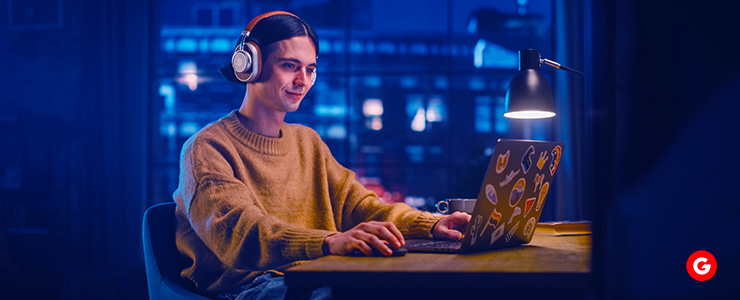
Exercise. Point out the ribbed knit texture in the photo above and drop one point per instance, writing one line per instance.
(249, 204)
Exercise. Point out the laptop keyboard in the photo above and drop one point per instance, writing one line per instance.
(441, 244)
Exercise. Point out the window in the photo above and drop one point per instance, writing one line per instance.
(410, 98)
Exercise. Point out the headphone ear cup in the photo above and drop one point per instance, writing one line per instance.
(255, 54)
(313, 77)
(241, 61)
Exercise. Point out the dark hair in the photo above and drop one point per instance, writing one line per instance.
(272, 30)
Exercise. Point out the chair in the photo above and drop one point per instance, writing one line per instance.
(163, 261)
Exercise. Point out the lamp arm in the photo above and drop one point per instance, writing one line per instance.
(557, 65)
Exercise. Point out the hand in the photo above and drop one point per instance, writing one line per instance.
(452, 226)
(365, 235)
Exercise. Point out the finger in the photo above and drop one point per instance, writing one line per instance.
(383, 230)
(453, 234)
(385, 233)
(464, 222)
(361, 245)
(460, 219)
(392, 227)
(379, 244)
(390, 233)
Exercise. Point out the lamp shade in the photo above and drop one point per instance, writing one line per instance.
(529, 95)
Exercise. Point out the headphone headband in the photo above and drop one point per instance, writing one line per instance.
(268, 14)
(248, 30)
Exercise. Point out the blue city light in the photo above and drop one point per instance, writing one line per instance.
(373, 81)
(221, 45)
(324, 110)
(476, 84)
(325, 46)
(188, 128)
(356, 47)
(415, 153)
(419, 49)
(386, 47)
(501, 124)
(186, 45)
(483, 118)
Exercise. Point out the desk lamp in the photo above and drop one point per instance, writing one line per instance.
(529, 95)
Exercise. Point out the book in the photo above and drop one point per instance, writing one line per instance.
(563, 228)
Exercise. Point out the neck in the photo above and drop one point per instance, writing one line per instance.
(261, 119)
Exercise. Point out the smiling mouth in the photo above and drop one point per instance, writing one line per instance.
(294, 94)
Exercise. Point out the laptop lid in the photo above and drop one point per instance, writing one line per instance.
(513, 194)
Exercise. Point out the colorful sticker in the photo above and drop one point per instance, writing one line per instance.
(542, 160)
(555, 159)
(497, 233)
(527, 159)
(529, 228)
(509, 178)
(475, 225)
(491, 194)
(493, 221)
(538, 179)
(511, 232)
(528, 205)
(543, 194)
(517, 192)
(502, 161)
(517, 211)
(495, 218)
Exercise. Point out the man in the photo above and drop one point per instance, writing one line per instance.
(257, 195)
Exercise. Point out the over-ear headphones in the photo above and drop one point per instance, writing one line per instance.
(247, 59)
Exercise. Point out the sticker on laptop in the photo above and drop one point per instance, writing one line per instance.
(538, 179)
(529, 228)
(517, 211)
(543, 194)
(502, 161)
(511, 232)
(474, 227)
(555, 159)
(529, 203)
(491, 194)
(493, 221)
(497, 233)
(543, 159)
(527, 159)
(517, 192)
(509, 178)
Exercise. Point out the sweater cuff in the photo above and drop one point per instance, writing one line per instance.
(421, 227)
(304, 244)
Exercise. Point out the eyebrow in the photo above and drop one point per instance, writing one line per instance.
(295, 61)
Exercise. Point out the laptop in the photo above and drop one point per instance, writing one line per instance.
(510, 200)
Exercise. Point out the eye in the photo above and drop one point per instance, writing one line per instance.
(310, 70)
(288, 65)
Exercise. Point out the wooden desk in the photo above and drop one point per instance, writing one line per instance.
(547, 264)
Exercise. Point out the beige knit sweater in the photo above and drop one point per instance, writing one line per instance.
(248, 204)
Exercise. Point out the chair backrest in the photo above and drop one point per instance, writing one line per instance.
(163, 261)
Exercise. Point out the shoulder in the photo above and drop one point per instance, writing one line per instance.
(213, 135)
(302, 133)
(305, 137)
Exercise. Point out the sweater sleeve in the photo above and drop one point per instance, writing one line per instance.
(358, 204)
(225, 215)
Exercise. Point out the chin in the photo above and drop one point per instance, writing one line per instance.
(292, 107)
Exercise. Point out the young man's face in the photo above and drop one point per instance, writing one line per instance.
(286, 74)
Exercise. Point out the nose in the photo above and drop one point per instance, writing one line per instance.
(301, 78)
